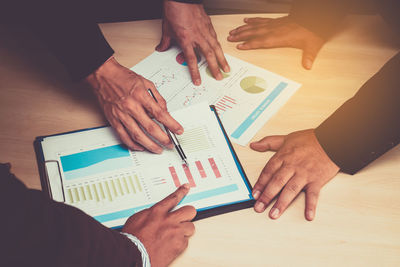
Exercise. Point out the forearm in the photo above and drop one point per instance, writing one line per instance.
(41, 232)
(368, 124)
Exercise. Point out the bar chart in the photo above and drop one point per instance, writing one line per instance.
(224, 104)
(197, 171)
(195, 139)
(104, 190)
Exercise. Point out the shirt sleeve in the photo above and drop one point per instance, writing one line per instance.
(368, 124)
(36, 231)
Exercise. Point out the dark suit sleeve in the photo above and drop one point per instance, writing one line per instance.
(367, 125)
(69, 28)
(36, 231)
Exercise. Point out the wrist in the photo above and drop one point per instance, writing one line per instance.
(140, 247)
(107, 80)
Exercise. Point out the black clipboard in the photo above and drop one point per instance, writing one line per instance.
(201, 213)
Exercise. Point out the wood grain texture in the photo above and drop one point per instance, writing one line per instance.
(358, 217)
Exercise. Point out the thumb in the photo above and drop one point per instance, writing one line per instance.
(165, 42)
(273, 143)
(309, 55)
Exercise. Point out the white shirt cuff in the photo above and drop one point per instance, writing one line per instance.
(142, 249)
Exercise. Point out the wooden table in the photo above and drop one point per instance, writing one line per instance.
(358, 217)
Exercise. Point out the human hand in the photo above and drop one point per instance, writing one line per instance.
(300, 163)
(191, 28)
(127, 105)
(164, 234)
(279, 32)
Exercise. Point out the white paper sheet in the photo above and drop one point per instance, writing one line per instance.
(110, 183)
(245, 99)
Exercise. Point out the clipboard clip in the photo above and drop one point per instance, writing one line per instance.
(48, 179)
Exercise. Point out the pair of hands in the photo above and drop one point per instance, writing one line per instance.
(123, 94)
(300, 163)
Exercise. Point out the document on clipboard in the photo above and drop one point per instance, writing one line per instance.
(90, 169)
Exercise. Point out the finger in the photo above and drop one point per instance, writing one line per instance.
(136, 132)
(122, 133)
(188, 228)
(274, 186)
(266, 41)
(184, 214)
(173, 199)
(160, 100)
(312, 194)
(219, 54)
(240, 29)
(249, 34)
(191, 60)
(266, 174)
(209, 54)
(309, 55)
(257, 20)
(273, 142)
(289, 192)
(165, 42)
(162, 115)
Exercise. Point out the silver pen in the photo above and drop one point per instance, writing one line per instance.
(172, 136)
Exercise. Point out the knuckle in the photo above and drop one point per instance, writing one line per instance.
(158, 112)
(313, 194)
(266, 196)
(280, 180)
(209, 53)
(293, 187)
(135, 135)
(216, 45)
(150, 127)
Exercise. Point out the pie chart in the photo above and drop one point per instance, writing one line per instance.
(253, 84)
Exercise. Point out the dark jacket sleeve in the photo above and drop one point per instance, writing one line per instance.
(36, 231)
(367, 125)
(69, 29)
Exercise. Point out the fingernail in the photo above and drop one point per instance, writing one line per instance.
(219, 76)
(186, 186)
(256, 194)
(180, 131)
(259, 207)
(197, 82)
(227, 69)
(240, 46)
(310, 215)
(246, 19)
(308, 64)
(274, 213)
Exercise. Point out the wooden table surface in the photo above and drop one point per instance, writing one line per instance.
(358, 217)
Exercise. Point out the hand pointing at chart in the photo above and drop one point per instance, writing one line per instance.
(163, 232)
(191, 28)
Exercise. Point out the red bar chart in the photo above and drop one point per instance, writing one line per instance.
(214, 167)
(225, 103)
(189, 175)
(174, 176)
(202, 172)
